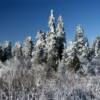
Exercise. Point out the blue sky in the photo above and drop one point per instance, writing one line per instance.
(20, 18)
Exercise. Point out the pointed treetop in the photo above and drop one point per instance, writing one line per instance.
(60, 26)
(52, 18)
(60, 21)
(79, 29)
(7, 44)
(60, 18)
(29, 38)
(52, 22)
(18, 45)
(52, 13)
(98, 37)
(38, 34)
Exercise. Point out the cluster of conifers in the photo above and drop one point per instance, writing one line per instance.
(51, 47)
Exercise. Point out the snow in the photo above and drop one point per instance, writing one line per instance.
(49, 70)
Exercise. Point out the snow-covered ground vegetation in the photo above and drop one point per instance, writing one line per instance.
(51, 68)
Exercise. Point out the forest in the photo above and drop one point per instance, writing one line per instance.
(50, 67)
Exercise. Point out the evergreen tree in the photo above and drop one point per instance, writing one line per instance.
(6, 48)
(1, 53)
(51, 44)
(28, 47)
(71, 59)
(17, 51)
(60, 36)
(97, 47)
(82, 44)
(39, 53)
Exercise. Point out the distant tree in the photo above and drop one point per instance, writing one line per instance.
(6, 48)
(27, 47)
(71, 59)
(82, 45)
(97, 47)
(39, 52)
(1, 52)
(17, 51)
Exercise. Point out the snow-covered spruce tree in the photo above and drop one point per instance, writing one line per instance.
(82, 45)
(7, 50)
(60, 36)
(39, 52)
(17, 51)
(97, 47)
(70, 58)
(94, 65)
(1, 53)
(51, 44)
(27, 47)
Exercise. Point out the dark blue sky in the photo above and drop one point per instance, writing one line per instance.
(19, 18)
